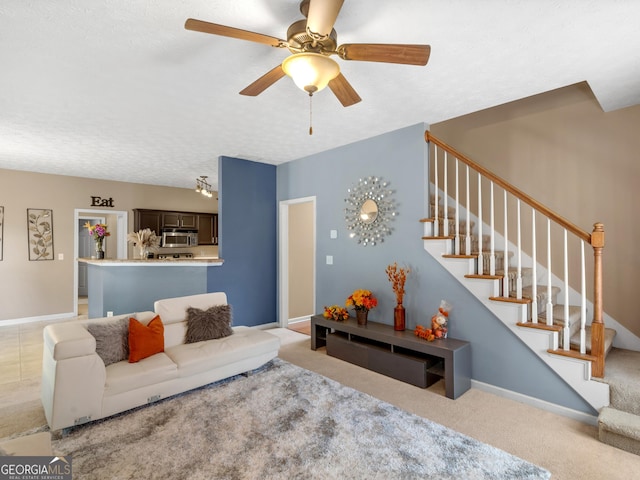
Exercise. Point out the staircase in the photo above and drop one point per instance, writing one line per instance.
(546, 311)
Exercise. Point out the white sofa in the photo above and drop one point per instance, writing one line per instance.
(78, 388)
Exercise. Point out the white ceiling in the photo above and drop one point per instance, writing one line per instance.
(118, 89)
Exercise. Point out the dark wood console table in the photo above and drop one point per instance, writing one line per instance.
(400, 355)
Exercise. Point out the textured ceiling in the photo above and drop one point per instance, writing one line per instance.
(118, 89)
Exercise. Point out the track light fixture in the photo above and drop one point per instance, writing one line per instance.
(203, 187)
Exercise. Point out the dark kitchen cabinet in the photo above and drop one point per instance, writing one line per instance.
(207, 229)
(179, 220)
(151, 219)
(156, 220)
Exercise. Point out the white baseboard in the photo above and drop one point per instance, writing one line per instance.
(299, 319)
(536, 402)
(42, 318)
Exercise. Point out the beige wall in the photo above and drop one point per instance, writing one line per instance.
(564, 151)
(301, 231)
(38, 288)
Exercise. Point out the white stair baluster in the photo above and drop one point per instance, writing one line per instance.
(445, 197)
(456, 240)
(519, 266)
(505, 259)
(534, 270)
(549, 302)
(436, 225)
(566, 331)
(467, 245)
(492, 228)
(480, 258)
(583, 302)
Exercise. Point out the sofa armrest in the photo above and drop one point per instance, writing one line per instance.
(68, 340)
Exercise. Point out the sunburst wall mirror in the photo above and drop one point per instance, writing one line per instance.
(369, 211)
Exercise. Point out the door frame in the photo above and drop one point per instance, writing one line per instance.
(283, 256)
(121, 240)
(90, 218)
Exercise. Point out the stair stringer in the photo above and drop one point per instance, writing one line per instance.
(575, 372)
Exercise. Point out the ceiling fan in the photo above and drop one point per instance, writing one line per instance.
(312, 41)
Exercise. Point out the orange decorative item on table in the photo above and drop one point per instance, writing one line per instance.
(335, 312)
(362, 301)
(439, 324)
(398, 277)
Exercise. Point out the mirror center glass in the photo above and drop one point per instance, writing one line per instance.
(369, 211)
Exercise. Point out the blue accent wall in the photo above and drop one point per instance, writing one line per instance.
(401, 157)
(247, 225)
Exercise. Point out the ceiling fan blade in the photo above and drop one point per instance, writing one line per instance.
(264, 82)
(215, 29)
(344, 91)
(387, 53)
(322, 15)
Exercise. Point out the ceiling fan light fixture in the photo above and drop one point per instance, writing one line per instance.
(311, 72)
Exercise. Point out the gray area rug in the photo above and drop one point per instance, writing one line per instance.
(281, 422)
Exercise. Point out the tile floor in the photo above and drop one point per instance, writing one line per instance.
(21, 349)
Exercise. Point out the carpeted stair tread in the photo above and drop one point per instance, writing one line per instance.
(541, 293)
(622, 374)
(558, 317)
(619, 429)
(609, 335)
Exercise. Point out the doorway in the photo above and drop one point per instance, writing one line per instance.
(85, 250)
(117, 248)
(297, 254)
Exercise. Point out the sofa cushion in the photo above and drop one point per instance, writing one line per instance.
(112, 339)
(194, 358)
(125, 377)
(145, 340)
(173, 310)
(215, 322)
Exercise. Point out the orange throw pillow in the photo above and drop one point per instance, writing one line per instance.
(145, 340)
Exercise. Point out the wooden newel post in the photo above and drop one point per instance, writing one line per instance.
(597, 324)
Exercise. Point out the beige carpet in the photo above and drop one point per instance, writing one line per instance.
(566, 447)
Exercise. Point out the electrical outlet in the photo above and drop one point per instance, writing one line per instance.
(333, 234)
(61, 256)
(109, 313)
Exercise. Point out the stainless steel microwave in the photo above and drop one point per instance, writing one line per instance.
(176, 237)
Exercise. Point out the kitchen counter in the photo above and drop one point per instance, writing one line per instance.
(132, 285)
(165, 262)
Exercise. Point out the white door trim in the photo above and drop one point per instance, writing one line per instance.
(283, 256)
(121, 241)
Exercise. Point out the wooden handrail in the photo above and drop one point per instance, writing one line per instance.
(511, 189)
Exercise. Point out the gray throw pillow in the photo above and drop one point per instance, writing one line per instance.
(209, 324)
(112, 339)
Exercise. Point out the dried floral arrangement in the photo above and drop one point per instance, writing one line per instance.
(362, 300)
(439, 324)
(336, 312)
(145, 240)
(397, 276)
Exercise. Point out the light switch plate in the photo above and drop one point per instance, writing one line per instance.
(333, 234)
(329, 259)
(61, 256)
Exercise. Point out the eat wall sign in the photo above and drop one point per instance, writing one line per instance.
(101, 202)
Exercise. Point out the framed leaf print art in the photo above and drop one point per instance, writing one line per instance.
(40, 223)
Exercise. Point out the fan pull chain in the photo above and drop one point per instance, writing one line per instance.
(310, 115)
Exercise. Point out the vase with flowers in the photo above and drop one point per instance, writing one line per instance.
(98, 232)
(398, 276)
(145, 241)
(362, 301)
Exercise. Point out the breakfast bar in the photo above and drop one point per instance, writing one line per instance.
(118, 286)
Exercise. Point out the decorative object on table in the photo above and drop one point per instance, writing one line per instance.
(40, 225)
(98, 232)
(398, 277)
(1, 229)
(336, 312)
(145, 241)
(439, 324)
(370, 208)
(362, 301)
